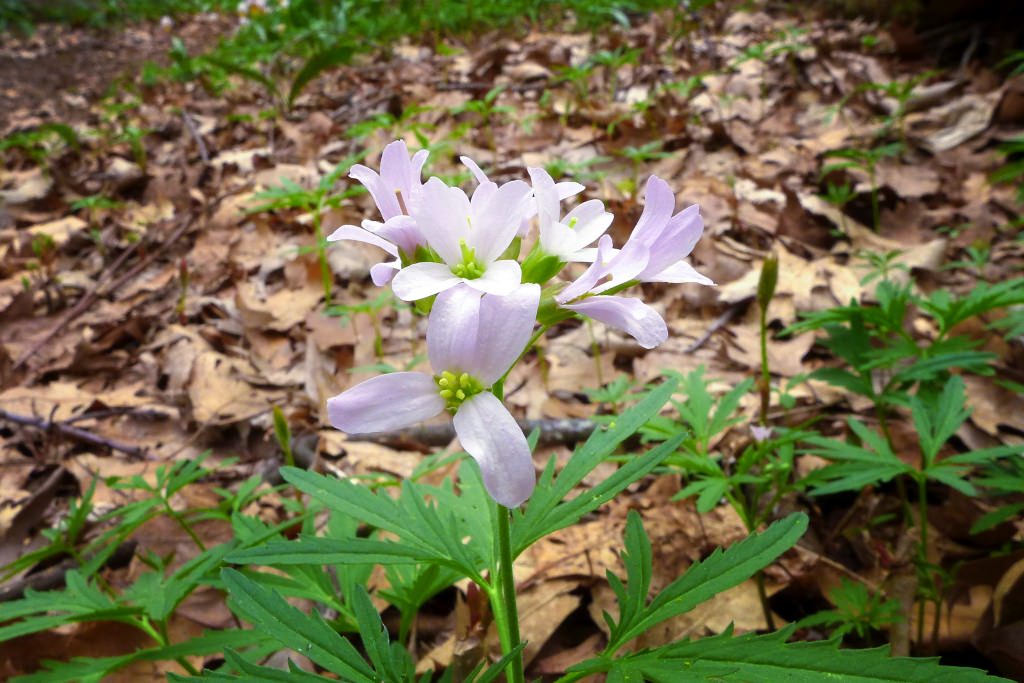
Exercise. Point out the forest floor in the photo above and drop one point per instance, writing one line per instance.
(151, 312)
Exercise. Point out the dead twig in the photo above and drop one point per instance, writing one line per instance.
(875, 588)
(486, 87)
(94, 293)
(52, 578)
(718, 323)
(76, 433)
(552, 433)
(191, 126)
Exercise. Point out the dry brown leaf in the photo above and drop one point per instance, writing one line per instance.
(785, 356)
(954, 123)
(218, 395)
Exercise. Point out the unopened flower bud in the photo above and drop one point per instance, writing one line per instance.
(769, 279)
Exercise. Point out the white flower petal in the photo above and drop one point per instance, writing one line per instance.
(491, 436)
(385, 402)
(384, 198)
(568, 188)
(474, 168)
(545, 196)
(592, 275)
(659, 202)
(452, 329)
(496, 221)
(351, 232)
(421, 280)
(443, 214)
(592, 221)
(629, 315)
(383, 273)
(501, 278)
(628, 264)
(401, 231)
(679, 273)
(506, 324)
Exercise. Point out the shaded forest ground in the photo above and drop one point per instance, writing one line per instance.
(160, 288)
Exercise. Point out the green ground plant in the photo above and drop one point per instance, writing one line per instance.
(90, 539)
(867, 161)
(289, 195)
(868, 459)
(858, 611)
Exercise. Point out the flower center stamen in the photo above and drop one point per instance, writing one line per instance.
(470, 268)
(455, 389)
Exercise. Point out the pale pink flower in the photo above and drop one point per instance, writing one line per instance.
(399, 177)
(565, 237)
(760, 432)
(653, 253)
(658, 244)
(563, 189)
(397, 236)
(624, 313)
(468, 235)
(472, 341)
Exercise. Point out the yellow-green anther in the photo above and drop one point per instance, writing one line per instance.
(470, 267)
(455, 389)
(573, 221)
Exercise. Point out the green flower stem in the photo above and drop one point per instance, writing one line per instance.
(326, 278)
(505, 612)
(922, 555)
(766, 375)
(161, 638)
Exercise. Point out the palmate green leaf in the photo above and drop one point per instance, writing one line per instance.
(432, 530)
(853, 466)
(720, 571)
(571, 511)
(978, 362)
(247, 72)
(950, 310)
(85, 669)
(318, 550)
(997, 517)
(254, 673)
(709, 490)
(727, 658)
(41, 611)
(316, 65)
(392, 662)
(939, 418)
(545, 511)
(292, 628)
(159, 596)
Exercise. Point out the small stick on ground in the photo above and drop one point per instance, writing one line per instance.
(76, 433)
(718, 323)
(94, 293)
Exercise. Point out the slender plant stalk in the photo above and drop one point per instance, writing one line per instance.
(922, 553)
(874, 198)
(595, 350)
(321, 247)
(765, 291)
(766, 375)
(508, 624)
(177, 517)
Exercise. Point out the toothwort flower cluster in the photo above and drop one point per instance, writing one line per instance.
(463, 252)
